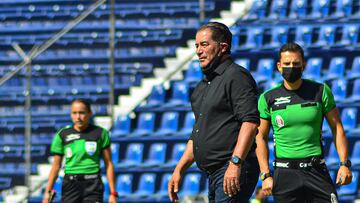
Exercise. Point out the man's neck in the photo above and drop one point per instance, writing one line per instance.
(293, 86)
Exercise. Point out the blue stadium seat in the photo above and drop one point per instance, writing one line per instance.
(333, 175)
(177, 152)
(169, 124)
(336, 68)
(313, 68)
(344, 8)
(122, 126)
(244, 62)
(156, 97)
(146, 185)
(58, 184)
(191, 186)
(332, 159)
(145, 124)
(355, 69)
(326, 36)
(193, 74)
(106, 187)
(352, 187)
(271, 154)
(157, 155)
(163, 191)
(298, 9)
(350, 35)
(257, 10)
(5, 183)
(304, 35)
(355, 155)
(271, 83)
(115, 148)
(254, 38)
(279, 37)
(124, 184)
(320, 9)
(133, 156)
(264, 70)
(339, 88)
(348, 118)
(355, 96)
(180, 95)
(278, 9)
(188, 124)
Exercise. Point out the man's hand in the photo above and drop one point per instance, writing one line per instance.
(112, 199)
(46, 197)
(344, 176)
(267, 186)
(173, 186)
(232, 180)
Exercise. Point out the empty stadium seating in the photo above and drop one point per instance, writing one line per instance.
(146, 147)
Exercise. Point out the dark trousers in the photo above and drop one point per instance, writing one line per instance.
(313, 185)
(82, 191)
(248, 180)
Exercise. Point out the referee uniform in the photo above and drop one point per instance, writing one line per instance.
(296, 117)
(82, 151)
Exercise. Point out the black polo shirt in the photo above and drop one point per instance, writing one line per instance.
(221, 102)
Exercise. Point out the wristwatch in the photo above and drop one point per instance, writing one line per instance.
(236, 160)
(263, 176)
(346, 163)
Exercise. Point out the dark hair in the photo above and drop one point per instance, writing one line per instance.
(83, 101)
(292, 47)
(220, 33)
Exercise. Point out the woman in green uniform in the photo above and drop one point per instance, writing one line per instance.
(295, 110)
(81, 144)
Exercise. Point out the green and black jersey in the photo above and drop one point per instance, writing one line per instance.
(82, 150)
(296, 117)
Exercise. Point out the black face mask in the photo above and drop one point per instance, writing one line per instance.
(291, 74)
(212, 65)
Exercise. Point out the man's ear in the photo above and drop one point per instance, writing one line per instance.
(304, 66)
(224, 47)
(278, 65)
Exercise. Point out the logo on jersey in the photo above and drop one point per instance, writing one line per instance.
(90, 147)
(68, 152)
(279, 121)
(72, 137)
(282, 100)
(333, 198)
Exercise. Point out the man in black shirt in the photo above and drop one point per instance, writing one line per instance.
(225, 108)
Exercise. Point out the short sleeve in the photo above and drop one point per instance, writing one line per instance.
(105, 139)
(243, 91)
(57, 145)
(327, 100)
(263, 108)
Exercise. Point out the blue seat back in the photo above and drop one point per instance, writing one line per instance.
(157, 95)
(135, 152)
(313, 68)
(146, 121)
(158, 152)
(191, 184)
(147, 183)
(348, 118)
(124, 184)
(339, 88)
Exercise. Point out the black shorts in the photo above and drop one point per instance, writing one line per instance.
(77, 190)
(313, 185)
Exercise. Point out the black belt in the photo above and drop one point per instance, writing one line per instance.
(299, 164)
(82, 176)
